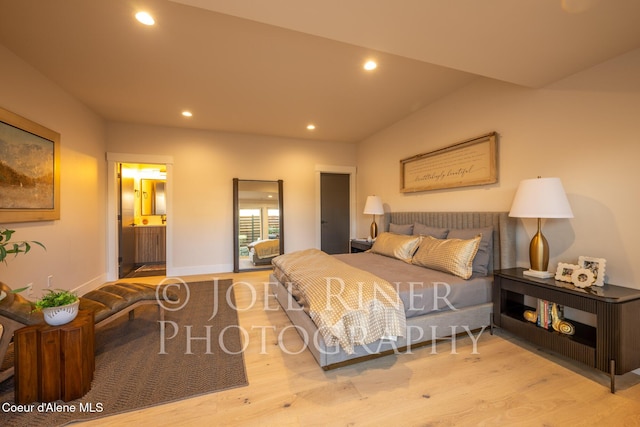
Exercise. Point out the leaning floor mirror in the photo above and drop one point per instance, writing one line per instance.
(258, 225)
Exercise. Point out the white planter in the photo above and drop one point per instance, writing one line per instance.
(56, 316)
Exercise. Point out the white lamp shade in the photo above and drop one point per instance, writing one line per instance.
(541, 198)
(373, 206)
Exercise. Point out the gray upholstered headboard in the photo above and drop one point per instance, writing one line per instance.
(504, 229)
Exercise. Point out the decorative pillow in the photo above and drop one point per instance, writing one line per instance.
(453, 256)
(401, 229)
(396, 246)
(423, 230)
(482, 262)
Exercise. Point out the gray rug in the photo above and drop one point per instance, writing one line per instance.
(133, 373)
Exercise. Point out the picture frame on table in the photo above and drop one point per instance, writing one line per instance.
(564, 271)
(596, 265)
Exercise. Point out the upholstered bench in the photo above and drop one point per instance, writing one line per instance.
(108, 303)
(112, 301)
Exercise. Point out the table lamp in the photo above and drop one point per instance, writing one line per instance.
(373, 206)
(540, 198)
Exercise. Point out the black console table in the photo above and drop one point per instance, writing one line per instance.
(612, 345)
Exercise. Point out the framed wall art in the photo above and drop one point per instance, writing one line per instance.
(467, 163)
(29, 170)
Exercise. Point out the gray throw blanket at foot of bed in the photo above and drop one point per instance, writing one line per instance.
(349, 306)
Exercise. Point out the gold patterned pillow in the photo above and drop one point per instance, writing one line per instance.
(396, 246)
(453, 256)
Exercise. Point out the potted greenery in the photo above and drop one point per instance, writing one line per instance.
(59, 306)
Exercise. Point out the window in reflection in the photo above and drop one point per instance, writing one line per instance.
(257, 223)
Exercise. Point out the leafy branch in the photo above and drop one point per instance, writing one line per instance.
(20, 247)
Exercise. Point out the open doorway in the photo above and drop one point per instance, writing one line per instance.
(142, 219)
(113, 206)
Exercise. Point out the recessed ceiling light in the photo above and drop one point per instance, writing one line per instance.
(370, 65)
(187, 113)
(145, 18)
(311, 126)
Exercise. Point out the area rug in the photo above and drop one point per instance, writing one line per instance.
(143, 362)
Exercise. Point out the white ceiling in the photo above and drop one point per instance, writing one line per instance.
(271, 66)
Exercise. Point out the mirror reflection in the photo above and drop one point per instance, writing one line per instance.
(258, 223)
(152, 197)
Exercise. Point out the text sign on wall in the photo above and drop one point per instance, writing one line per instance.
(472, 162)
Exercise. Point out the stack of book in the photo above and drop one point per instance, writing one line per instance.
(545, 317)
(544, 314)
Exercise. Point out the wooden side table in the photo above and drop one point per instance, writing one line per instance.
(54, 362)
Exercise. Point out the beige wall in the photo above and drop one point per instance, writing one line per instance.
(205, 163)
(584, 130)
(75, 253)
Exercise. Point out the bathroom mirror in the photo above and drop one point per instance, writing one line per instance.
(258, 225)
(152, 197)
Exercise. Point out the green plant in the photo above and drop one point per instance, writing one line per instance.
(56, 298)
(7, 247)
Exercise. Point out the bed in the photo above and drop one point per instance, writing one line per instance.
(261, 252)
(449, 304)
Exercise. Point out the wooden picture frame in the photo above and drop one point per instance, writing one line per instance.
(467, 163)
(29, 170)
(596, 265)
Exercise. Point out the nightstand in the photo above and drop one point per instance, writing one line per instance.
(360, 245)
(611, 344)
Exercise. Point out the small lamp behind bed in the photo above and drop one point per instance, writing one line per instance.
(373, 207)
(540, 198)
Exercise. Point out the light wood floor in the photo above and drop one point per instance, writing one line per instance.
(505, 383)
